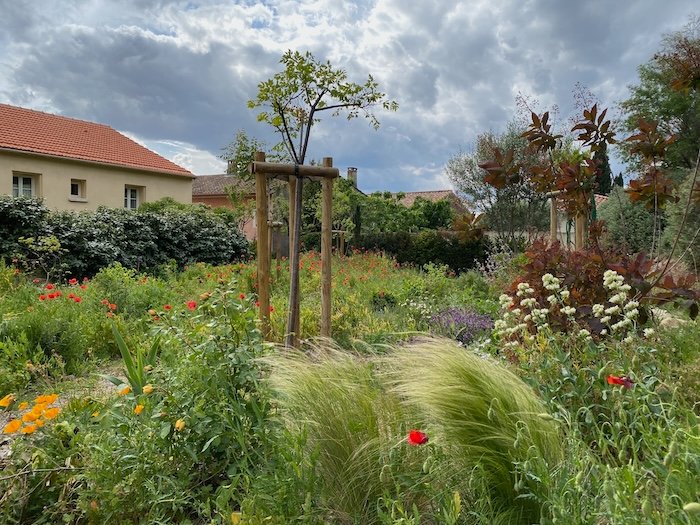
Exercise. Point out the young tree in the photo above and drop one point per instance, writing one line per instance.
(292, 100)
(240, 152)
(668, 93)
(512, 210)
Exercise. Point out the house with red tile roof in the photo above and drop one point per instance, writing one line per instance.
(78, 165)
(213, 190)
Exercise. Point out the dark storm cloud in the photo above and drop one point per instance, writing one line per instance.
(137, 83)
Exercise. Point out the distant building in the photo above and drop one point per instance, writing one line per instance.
(213, 190)
(78, 165)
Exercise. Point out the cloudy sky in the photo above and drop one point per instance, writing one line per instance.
(176, 75)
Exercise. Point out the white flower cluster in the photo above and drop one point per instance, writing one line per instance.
(522, 313)
(621, 317)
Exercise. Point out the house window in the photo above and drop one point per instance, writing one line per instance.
(131, 197)
(24, 185)
(77, 190)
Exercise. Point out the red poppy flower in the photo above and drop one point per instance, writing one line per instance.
(112, 306)
(70, 296)
(272, 308)
(58, 293)
(257, 304)
(104, 301)
(77, 299)
(167, 307)
(72, 281)
(83, 286)
(49, 286)
(191, 305)
(242, 296)
(416, 437)
(623, 381)
(42, 297)
(110, 314)
(51, 296)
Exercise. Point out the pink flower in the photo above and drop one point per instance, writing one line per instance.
(416, 437)
(73, 281)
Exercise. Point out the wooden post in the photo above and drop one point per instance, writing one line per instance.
(293, 317)
(261, 210)
(326, 245)
(553, 220)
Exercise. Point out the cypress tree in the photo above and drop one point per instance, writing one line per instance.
(619, 181)
(604, 174)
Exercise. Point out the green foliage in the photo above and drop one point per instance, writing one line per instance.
(628, 225)
(427, 247)
(135, 367)
(655, 99)
(293, 99)
(19, 217)
(80, 244)
(484, 414)
(509, 211)
(603, 172)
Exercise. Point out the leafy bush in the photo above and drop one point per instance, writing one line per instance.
(143, 239)
(628, 224)
(427, 247)
(19, 217)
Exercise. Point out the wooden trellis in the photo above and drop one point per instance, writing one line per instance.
(292, 173)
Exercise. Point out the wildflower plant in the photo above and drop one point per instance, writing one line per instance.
(524, 315)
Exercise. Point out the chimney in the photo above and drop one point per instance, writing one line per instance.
(352, 176)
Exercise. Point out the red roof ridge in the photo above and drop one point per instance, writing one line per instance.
(42, 133)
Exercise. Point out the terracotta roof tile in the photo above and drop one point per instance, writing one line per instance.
(37, 132)
(217, 184)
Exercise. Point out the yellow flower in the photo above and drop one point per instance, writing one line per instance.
(29, 429)
(46, 399)
(39, 422)
(29, 417)
(51, 413)
(179, 424)
(148, 389)
(7, 400)
(12, 426)
(124, 391)
(96, 413)
(138, 409)
(23, 405)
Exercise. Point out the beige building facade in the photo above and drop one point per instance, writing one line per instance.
(78, 165)
(66, 184)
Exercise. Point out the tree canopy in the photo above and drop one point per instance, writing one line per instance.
(292, 100)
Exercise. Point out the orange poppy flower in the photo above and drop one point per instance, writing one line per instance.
(51, 412)
(12, 426)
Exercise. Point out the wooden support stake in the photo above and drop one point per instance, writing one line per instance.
(261, 209)
(326, 245)
(553, 220)
(293, 318)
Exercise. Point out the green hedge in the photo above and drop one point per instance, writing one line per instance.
(428, 246)
(143, 239)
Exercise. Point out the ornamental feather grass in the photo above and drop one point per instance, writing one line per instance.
(484, 417)
(353, 427)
